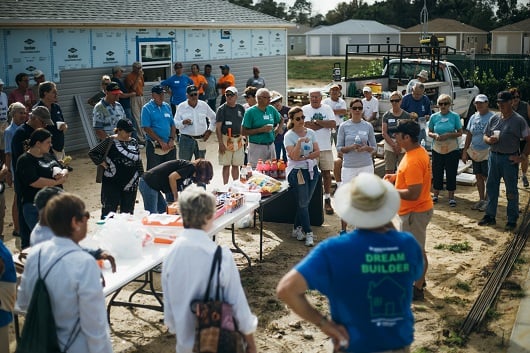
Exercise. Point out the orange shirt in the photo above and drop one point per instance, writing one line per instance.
(129, 83)
(199, 81)
(415, 168)
(230, 79)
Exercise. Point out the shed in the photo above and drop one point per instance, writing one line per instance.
(511, 39)
(332, 40)
(456, 34)
(74, 42)
(297, 40)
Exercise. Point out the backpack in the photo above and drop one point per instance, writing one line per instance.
(39, 334)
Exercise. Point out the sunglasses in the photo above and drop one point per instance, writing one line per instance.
(298, 118)
(356, 108)
(192, 94)
(444, 103)
(515, 97)
(395, 100)
(229, 94)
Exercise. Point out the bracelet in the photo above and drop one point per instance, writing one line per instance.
(322, 321)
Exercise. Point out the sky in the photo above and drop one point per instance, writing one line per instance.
(322, 6)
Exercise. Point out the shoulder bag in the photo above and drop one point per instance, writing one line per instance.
(216, 330)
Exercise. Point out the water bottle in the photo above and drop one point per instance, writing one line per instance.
(306, 149)
(422, 143)
(358, 140)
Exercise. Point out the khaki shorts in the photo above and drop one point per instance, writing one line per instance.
(325, 161)
(392, 160)
(236, 158)
(416, 223)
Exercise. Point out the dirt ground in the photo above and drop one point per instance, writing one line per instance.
(461, 255)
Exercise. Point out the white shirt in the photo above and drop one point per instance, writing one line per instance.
(75, 293)
(336, 105)
(39, 234)
(185, 277)
(370, 106)
(197, 115)
(323, 113)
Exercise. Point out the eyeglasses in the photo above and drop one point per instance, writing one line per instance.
(265, 97)
(443, 103)
(356, 108)
(192, 94)
(298, 118)
(395, 100)
(229, 94)
(248, 96)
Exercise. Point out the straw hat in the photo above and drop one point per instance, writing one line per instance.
(367, 201)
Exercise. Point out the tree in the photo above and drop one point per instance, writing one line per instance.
(244, 3)
(300, 12)
(270, 7)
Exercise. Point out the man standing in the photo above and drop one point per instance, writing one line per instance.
(192, 119)
(320, 118)
(339, 108)
(134, 82)
(366, 275)
(422, 77)
(419, 107)
(48, 98)
(210, 92)
(125, 97)
(199, 80)
(159, 128)
(371, 108)
(413, 183)
(107, 112)
(256, 80)
(225, 81)
(22, 93)
(228, 119)
(38, 77)
(260, 123)
(503, 133)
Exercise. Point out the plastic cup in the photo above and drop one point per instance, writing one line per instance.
(496, 133)
(60, 124)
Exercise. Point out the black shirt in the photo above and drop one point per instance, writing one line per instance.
(29, 169)
(157, 177)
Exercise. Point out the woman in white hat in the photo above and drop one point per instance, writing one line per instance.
(367, 274)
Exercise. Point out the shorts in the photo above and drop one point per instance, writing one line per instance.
(236, 158)
(347, 174)
(416, 223)
(392, 160)
(263, 152)
(325, 161)
(480, 168)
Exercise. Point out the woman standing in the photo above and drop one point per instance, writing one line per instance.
(356, 141)
(123, 168)
(302, 170)
(393, 153)
(445, 128)
(73, 282)
(523, 109)
(276, 102)
(48, 98)
(35, 170)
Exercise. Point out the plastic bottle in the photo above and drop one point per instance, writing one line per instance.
(267, 168)
(249, 171)
(306, 149)
(422, 143)
(259, 166)
(358, 140)
(274, 169)
(243, 174)
(281, 170)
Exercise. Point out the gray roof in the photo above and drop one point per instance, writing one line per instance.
(521, 26)
(444, 25)
(355, 27)
(132, 13)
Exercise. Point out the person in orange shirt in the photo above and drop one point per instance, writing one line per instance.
(134, 82)
(199, 80)
(413, 182)
(225, 81)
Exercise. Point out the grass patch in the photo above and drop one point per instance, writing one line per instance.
(423, 350)
(454, 339)
(455, 247)
(455, 300)
(322, 69)
(492, 314)
(463, 286)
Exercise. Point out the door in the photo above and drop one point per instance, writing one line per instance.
(451, 41)
(461, 95)
(314, 46)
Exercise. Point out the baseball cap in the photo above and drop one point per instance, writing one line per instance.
(335, 86)
(37, 73)
(158, 89)
(45, 194)
(504, 96)
(222, 67)
(367, 89)
(43, 114)
(231, 89)
(191, 89)
(125, 125)
(481, 98)
(275, 96)
(113, 88)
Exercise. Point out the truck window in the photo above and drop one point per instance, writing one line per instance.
(458, 80)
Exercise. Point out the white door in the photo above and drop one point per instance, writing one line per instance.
(526, 45)
(450, 41)
(314, 46)
(501, 45)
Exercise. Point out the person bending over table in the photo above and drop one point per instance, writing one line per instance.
(185, 273)
(74, 281)
(170, 178)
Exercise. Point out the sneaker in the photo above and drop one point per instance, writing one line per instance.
(300, 236)
(477, 205)
(483, 205)
(525, 181)
(452, 203)
(510, 226)
(309, 239)
(327, 206)
(417, 293)
(487, 220)
(435, 199)
(297, 232)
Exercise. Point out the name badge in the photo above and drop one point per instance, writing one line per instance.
(391, 121)
(166, 115)
(228, 123)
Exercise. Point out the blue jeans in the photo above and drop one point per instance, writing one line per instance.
(31, 215)
(188, 147)
(154, 201)
(303, 193)
(500, 166)
(280, 151)
(154, 159)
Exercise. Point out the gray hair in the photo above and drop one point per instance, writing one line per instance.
(196, 207)
(262, 90)
(420, 86)
(444, 96)
(396, 93)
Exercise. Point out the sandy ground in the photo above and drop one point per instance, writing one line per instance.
(454, 279)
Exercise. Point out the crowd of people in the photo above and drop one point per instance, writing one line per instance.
(53, 222)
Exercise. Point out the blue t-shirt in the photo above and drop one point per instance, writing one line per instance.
(477, 127)
(10, 276)
(442, 124)
(178, 85)
(421, 107)
(368, 280)
(158, 118)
